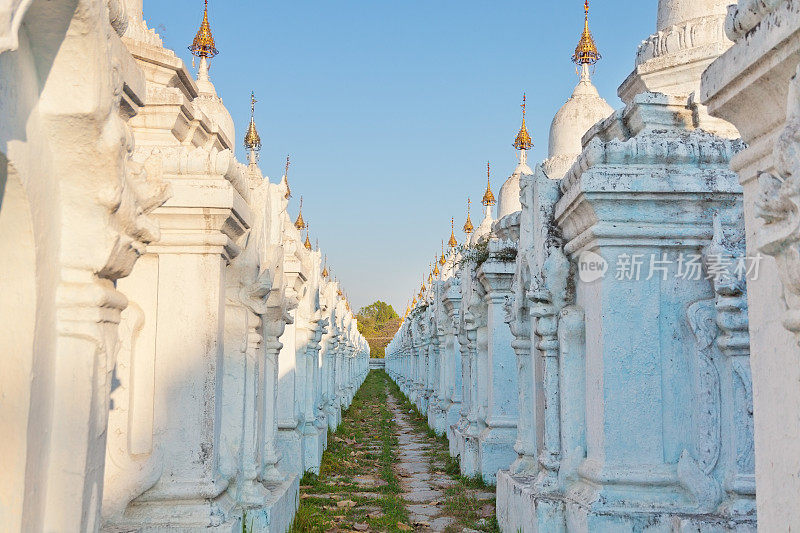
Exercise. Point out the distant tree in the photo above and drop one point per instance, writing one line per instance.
(379, 311)
(378, 322)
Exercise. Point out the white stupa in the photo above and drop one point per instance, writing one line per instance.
(509, 193)
(582, 111)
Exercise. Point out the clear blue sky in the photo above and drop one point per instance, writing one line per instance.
(390, 110)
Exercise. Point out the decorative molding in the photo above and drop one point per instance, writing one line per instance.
(779, 207)
(678, 39)
(747, 14)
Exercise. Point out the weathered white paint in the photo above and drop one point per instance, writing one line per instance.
(753, 85)
(147, 284)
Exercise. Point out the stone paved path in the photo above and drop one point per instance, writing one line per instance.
(385, 471)
(437, 498)
(422, 495)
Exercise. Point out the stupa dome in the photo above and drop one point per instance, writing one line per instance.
(582, 111)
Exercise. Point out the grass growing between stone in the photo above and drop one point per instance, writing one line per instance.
(357, 489)
(469, 500)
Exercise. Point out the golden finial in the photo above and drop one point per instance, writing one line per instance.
(203, 44)
(414, 302)
(488, 197)
(252, 141)
(325, 268)
(523, 140)
(468, 227)
(452, 242)
(586, 52)
(442, 260)
(436, 268)
(286, 175)
(299, 223)
(422, 290)
(307, 244)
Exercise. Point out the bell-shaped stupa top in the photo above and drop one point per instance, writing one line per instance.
(252, 140)
(488, 196)
(586, 52)
(299, 223)
(523, 140)
(468, 226)
(203, 44)
(286, 177)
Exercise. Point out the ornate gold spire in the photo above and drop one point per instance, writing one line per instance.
(586, 52)
(252, 141)
(414, 302)
(203, 44)
(299, 223)
(468, 227)
(325, 268)
(523, 140)
(307, 244)
(286, 175)
(488, 197)
(442, 260)
(436, 267)
(452, 242)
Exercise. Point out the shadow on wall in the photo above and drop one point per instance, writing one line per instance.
(28, 260)
(176, 435)
(17, 331)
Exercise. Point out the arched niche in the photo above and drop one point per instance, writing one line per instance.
(17, 333)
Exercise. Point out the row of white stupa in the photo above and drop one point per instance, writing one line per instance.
(589, 351)
(173, 353)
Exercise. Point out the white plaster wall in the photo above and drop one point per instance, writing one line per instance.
(27, 202)
(66, 211)
(18, 318)
(751, 86)
(91, 411)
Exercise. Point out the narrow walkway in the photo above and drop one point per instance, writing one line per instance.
(384, 470)
(436, 496)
